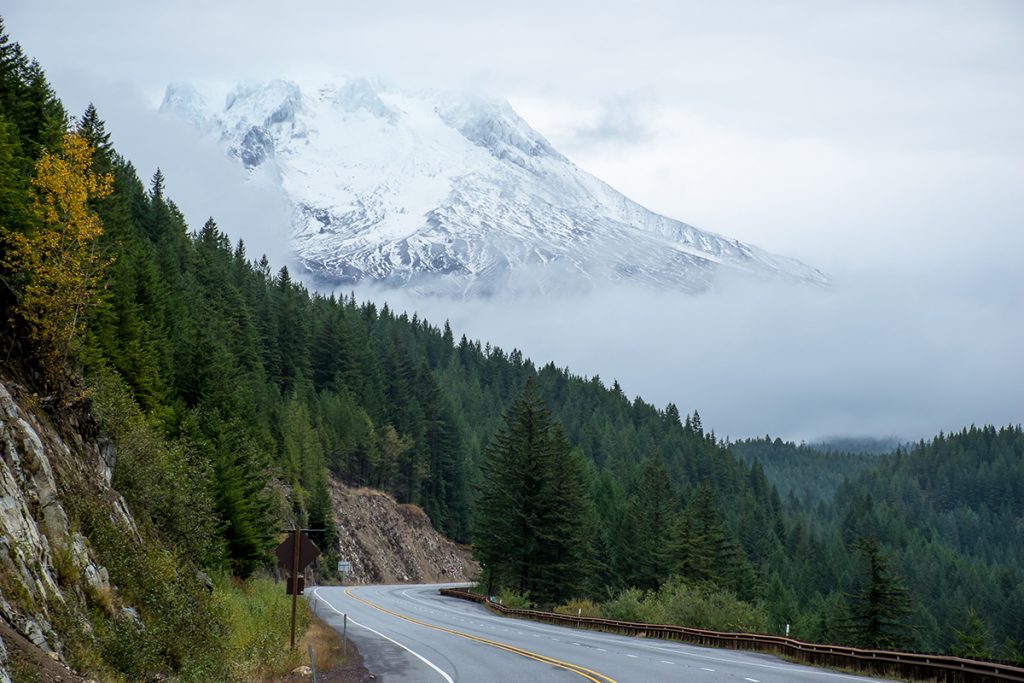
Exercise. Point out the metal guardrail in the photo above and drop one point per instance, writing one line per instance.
(911, 665)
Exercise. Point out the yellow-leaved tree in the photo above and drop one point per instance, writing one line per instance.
(59, 264)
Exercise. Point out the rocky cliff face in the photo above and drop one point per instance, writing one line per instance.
(48, 572)
(391, 543)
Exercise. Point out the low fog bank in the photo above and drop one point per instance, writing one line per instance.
(883, 354)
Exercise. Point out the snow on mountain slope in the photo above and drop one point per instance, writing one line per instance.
(452, 195)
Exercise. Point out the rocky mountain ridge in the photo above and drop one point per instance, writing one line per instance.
(452, 194)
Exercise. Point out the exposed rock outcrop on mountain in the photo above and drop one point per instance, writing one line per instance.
(391, 543)
(48, 572)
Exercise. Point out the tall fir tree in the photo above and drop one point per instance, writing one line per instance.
(703, 549)
(642, 555)
(533, 526)
(881, 607)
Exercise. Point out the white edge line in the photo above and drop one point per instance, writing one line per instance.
(426, 661)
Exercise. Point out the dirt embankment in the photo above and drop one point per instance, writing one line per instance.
(391, 543)
(24, 661)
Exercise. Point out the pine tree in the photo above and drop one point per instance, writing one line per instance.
(43, 120)
(704, 551)
(974, 642)
(567, 522)
(320, 511)
(533, 525)
(880, 608)
(781, 607)
(328, 352)
(642, 557)
(505, 529)
(240, 493)
(94, 131)
(27, 101)
(292, 332)
(15, 186)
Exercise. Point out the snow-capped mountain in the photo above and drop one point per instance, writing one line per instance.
(452, 195)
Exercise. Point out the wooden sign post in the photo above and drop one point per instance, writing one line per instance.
(295, 553)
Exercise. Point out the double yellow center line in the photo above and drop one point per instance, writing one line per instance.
(590, 675)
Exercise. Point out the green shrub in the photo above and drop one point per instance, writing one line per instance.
(684, 604)
(710, 608)
(100, 598)
(634, 604)
(510, 598)
(126, 647)
(163, 588)
(165, 482)
(63, 561)
(13, 588)
(581, 607)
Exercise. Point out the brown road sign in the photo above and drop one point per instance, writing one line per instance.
(286, 552)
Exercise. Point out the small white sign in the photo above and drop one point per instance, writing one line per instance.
(344, 566)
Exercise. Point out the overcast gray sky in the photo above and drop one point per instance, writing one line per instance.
(880, 141)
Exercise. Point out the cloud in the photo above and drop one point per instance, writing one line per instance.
(619, 120)
(887, 356)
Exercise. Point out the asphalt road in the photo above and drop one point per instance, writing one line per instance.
(411, 633)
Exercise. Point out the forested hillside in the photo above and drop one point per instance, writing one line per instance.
(951, 511)
(948, 512)
(230, 391)
(809, 473)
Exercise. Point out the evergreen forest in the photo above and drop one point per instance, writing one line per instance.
(233, 393)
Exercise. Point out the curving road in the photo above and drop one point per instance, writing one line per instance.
(411, 633)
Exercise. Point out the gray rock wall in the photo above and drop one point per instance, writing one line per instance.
(37, 543)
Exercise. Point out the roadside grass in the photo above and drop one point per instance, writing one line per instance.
(257, 613)
(580, 607)
(326, 645)
(850, 671)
